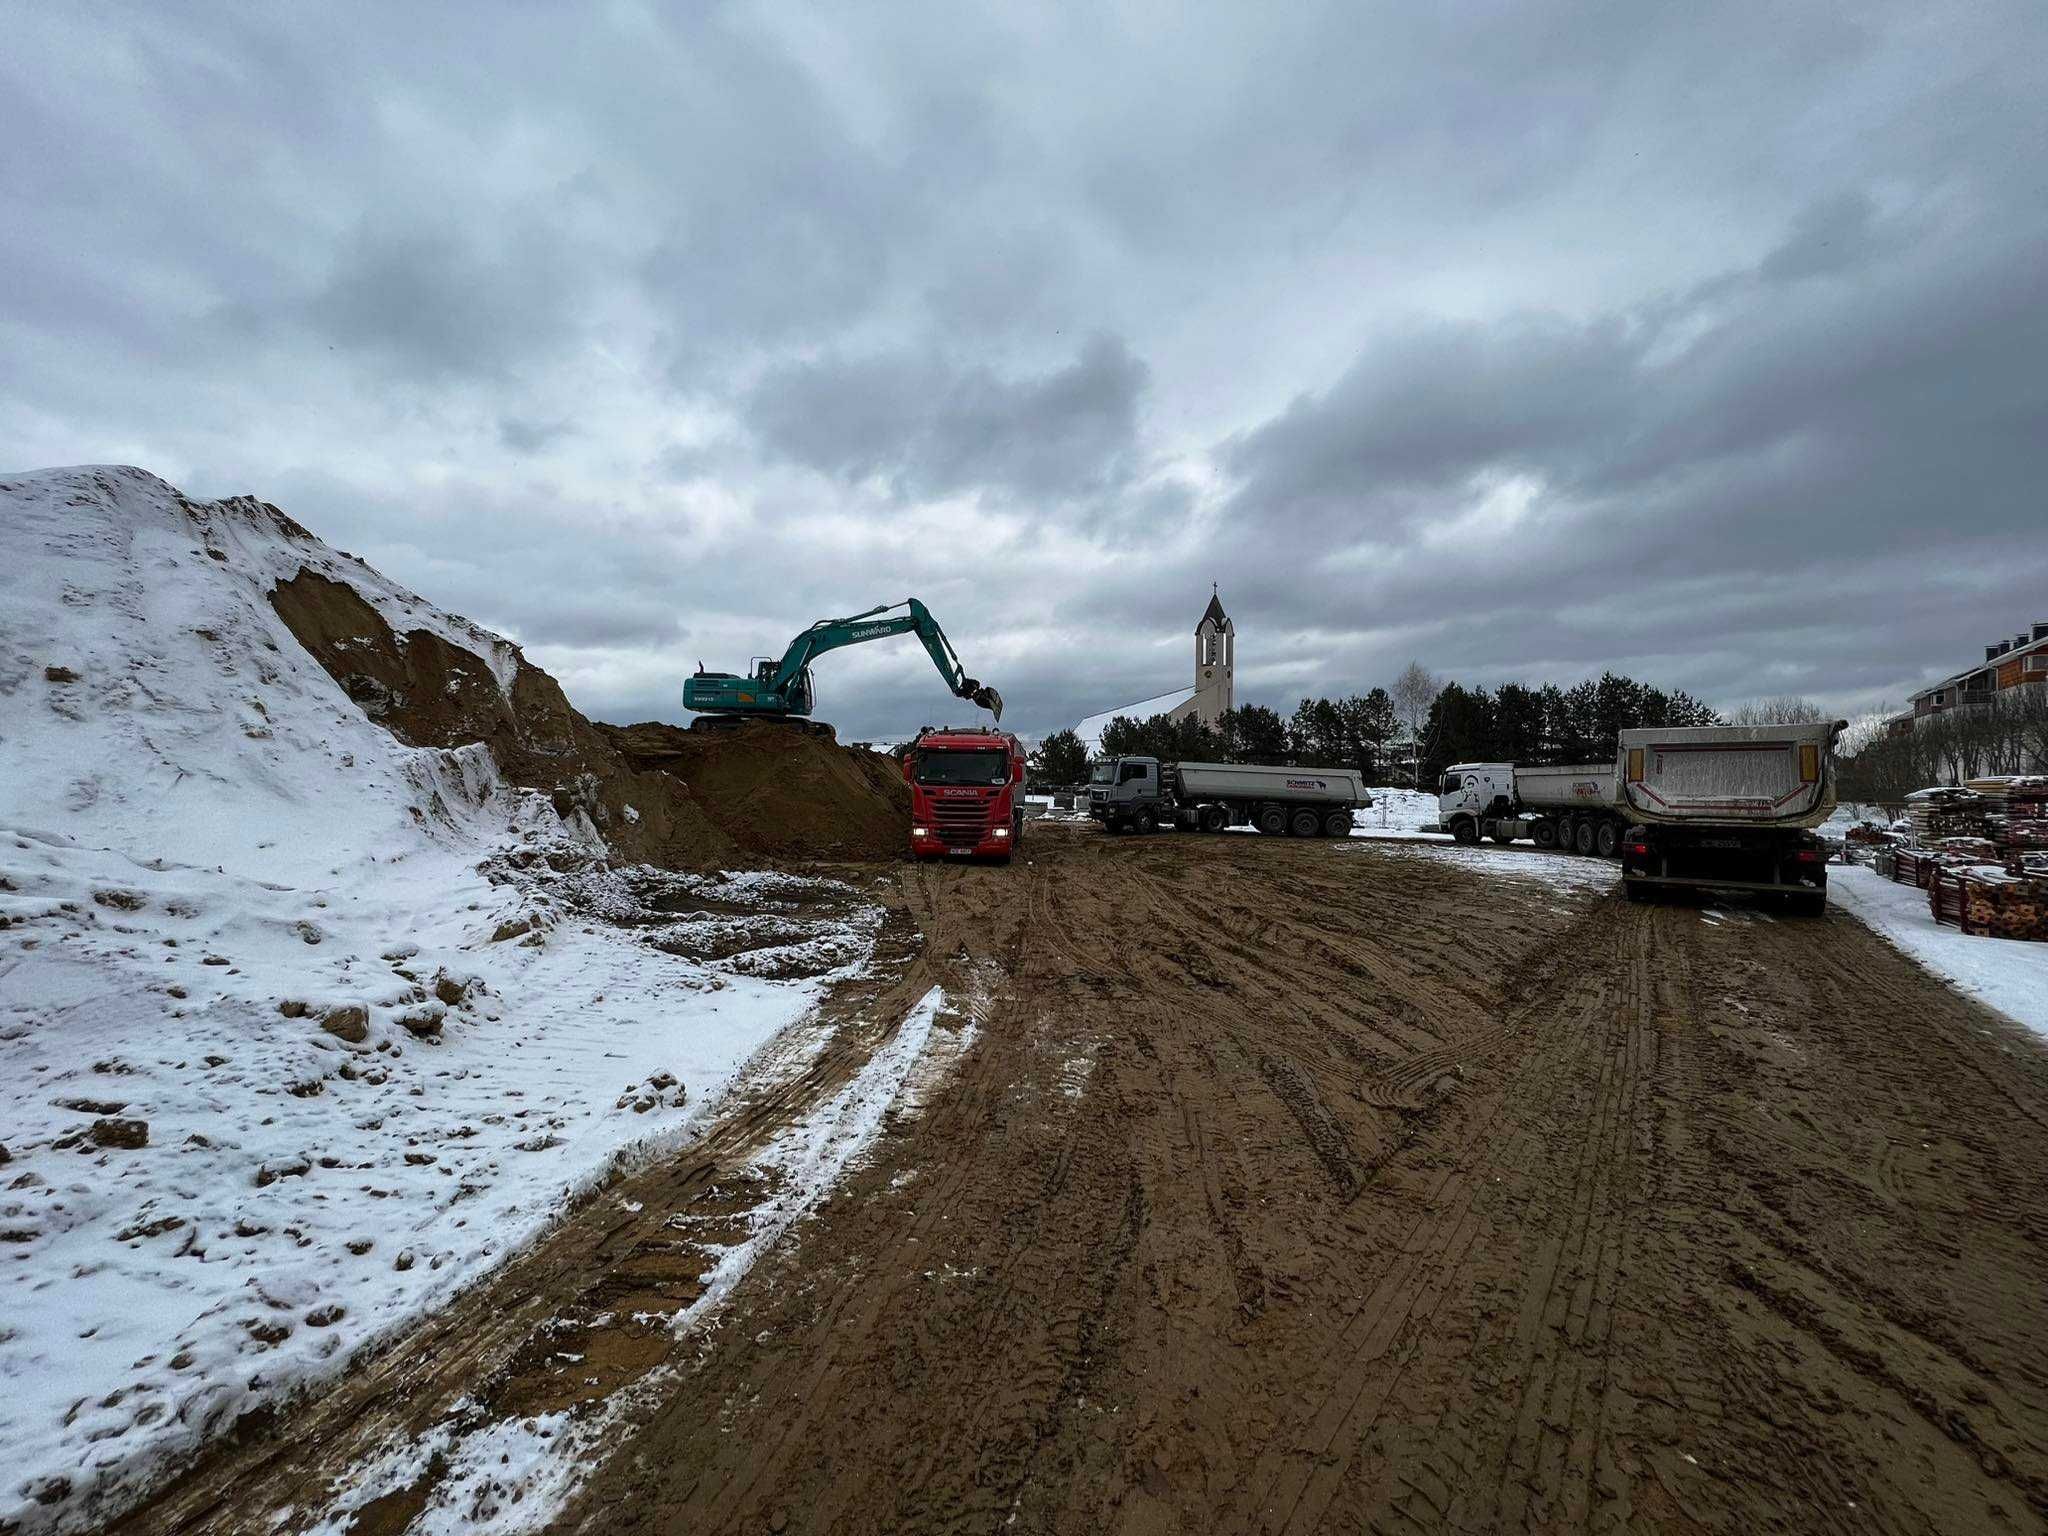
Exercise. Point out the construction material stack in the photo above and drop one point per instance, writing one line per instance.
(1980, 851)
(1945, 811)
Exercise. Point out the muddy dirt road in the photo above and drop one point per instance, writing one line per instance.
(1267, 1185)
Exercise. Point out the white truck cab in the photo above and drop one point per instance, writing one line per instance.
(1474, 789)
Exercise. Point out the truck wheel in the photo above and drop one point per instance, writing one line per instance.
(1564, 834)
(1545, 834)
(1212, 818)
(1585, 837)
(1147, 823)
(1608, 839)
(1465, 830)
(1272, 820)
(1337, 824)
(1305, 823)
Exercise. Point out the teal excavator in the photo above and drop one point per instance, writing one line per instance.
(781, 689)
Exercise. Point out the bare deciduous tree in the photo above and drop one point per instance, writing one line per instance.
(1413, 692)
(1784, 710)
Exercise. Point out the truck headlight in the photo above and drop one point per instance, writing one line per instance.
(920, 831)
(1000, 832)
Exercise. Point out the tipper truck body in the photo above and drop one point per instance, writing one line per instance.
(1143, 794)
(966, 793)
(1731, 807)
(1575, 808)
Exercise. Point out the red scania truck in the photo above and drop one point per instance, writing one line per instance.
(966, 793)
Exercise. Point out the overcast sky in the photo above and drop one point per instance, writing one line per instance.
(1706, 342)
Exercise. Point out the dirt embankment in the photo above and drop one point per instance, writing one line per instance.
(667, 796)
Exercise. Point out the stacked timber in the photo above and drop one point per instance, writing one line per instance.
(1913, 866)
(2019, 815)
(1945, 811)
(1984, 899)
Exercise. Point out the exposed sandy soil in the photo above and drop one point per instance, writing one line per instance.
(677, 798)
(1291, 1186)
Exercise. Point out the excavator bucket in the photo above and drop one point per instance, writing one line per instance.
(987, 698)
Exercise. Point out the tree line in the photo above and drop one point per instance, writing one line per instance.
(1413, 730)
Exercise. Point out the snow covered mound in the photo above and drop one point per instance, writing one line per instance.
(150, 696)
(301, 1027)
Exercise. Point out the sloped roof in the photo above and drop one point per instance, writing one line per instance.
(1090, 730)
(1213, 611)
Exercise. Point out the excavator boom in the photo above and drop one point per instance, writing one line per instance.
(780, 689)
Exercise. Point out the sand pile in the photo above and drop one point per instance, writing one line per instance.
(777, 792)
(657, 793)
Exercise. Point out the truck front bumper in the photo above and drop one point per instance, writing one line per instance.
(994, 842)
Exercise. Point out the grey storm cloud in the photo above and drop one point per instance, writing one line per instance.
(932, 428)
(1695, 341)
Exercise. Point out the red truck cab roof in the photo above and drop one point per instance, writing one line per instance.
(967, 738)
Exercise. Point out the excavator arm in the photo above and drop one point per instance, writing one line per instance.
(831, 634)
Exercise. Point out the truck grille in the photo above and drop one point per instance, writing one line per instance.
(960, 823)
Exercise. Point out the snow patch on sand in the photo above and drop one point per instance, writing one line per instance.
(1561, 872)
(517, 1474)
(2010, 975)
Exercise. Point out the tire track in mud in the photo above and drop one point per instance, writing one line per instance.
(1268, 1199)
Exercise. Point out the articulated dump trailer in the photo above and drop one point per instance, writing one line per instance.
(1142, 794)
(1729, 807)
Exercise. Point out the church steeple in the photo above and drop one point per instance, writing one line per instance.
(1215, 660)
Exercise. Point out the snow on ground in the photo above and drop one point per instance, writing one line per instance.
(1395, 812)
(1558, 871)
(512, 1475)
(2010, 975)
(301, 1029)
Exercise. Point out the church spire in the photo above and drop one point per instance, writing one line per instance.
(1213, 614)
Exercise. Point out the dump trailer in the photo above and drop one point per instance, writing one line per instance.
(1142, 794)
(1729, 807)
(1574, 808)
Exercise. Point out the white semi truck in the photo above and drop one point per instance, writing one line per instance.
(1574, 808)
(1143, 794)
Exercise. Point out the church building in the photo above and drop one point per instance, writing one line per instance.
(1213, 691)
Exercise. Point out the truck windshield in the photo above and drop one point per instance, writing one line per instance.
(991, 766)
(1105, 773)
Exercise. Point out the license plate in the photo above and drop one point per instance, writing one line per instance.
(1720, 842)
(961, 853)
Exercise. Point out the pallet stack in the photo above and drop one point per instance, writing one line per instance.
(1984, 899)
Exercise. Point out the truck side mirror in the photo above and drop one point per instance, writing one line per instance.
(1017, 771)
(909, 765)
